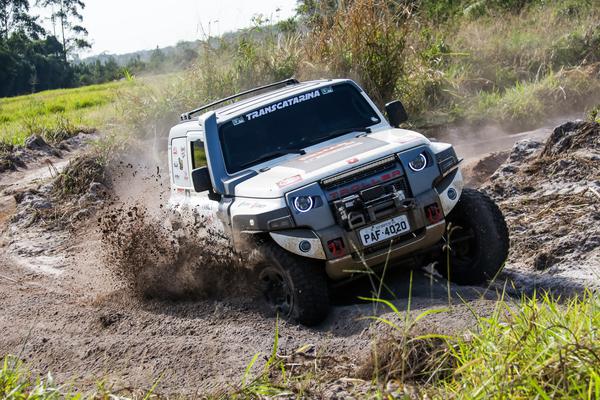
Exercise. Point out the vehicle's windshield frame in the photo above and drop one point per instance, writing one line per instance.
(375, 118)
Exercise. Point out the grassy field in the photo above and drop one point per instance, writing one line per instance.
(56, 114)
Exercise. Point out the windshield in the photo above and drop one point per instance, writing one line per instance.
(294, 123)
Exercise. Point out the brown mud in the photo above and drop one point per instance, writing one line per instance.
(126, 292)
(171, 256)
(549, 192)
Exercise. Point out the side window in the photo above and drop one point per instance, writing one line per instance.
(181, 173)
(198, 155)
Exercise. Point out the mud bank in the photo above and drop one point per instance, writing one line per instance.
(13, 158)
(550, 195)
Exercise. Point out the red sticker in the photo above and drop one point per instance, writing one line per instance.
(288, 181)
(327, 150)
(353, 160)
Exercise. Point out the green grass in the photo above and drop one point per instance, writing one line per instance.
(509, 69)
(56, 113)
(543, 348)
(17, 383)
(530, 102)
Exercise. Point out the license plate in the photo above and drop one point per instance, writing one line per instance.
(384, 230)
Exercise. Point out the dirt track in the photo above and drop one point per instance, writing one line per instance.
(64, 311)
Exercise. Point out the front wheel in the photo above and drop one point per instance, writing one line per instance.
(294, 287)
(476, 240)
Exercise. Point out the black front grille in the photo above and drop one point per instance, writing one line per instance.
(372, 204)
(355, 174)
(402, 184)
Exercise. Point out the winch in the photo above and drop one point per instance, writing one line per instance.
(370, 205)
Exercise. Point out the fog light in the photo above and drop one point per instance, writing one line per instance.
(452, 194)
(303, 203)
(419, 163)
(304, 246)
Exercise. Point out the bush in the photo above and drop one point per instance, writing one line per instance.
(529, 103)
(594, 114)
(366, 40)
(542, 349)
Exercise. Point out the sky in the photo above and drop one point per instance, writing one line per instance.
(123, 26)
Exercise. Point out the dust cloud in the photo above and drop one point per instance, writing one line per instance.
(473, 141)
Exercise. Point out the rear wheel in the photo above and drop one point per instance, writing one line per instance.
(294, 287)
(476, 240)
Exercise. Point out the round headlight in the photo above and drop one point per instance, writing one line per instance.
(419, 163)
(303, 203)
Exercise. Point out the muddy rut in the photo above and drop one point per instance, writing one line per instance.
(116, 293)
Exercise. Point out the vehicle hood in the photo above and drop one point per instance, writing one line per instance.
(330, 158)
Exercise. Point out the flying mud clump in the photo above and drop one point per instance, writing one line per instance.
(171, 256)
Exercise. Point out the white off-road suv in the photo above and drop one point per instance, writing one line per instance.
(324, 188)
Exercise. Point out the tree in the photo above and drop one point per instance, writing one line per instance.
(28, 65)
(185, 54)
(157, 59)
(135, 65)
(14, 16)
(68, 15)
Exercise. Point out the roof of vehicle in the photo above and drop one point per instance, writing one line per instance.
(269, 96)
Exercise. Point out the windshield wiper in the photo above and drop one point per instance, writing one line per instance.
(342, 132)
(274, 154)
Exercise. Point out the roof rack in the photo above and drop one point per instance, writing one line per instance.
(188, 115)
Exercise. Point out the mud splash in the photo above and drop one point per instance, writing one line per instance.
(171, 256)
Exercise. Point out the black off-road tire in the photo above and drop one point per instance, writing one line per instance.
(481, 253)
(303, 281)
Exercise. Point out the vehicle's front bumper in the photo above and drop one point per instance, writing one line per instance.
(345, 266)
(427, 229)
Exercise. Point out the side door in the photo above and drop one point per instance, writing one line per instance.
(200, 202)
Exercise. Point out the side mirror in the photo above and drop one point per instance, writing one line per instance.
(201, 179)
(396, 113)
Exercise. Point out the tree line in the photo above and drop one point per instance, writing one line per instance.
(34, 58)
